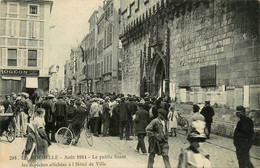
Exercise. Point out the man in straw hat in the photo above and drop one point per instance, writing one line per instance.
(243, 138)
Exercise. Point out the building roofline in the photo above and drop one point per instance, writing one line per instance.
(34, 1)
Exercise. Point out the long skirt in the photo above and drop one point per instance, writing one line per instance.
(114, 126)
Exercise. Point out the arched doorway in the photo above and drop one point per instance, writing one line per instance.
(159, 77)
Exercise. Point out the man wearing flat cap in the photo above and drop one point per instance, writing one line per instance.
(157, 132)
(208, 112)
(243, 138)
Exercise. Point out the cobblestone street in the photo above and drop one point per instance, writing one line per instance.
(221, 150)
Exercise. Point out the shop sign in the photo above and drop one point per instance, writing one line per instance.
(19, 72)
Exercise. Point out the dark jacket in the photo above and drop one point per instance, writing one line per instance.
(79, 116)
(164, 105)
(208, 113)
(132, 107)
(70, 110)
(124, 115)
(6, 104)
(60, 108)
(158, 140)
(244, 132)
(49, 116)
(154, 112)
(28, 109)
(147, 105)
(106, 114)
(141, 120)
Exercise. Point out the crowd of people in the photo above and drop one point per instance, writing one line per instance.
(122, 116)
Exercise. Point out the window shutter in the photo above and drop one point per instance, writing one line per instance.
(25, 58)
(9, 27)
(19, 57)
(36, 29)
(4, 56)
(17, 28)
(39, 58)
(14, 33)
(30, 29)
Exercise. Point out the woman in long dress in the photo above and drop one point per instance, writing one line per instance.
(172, 121)
(37, 142)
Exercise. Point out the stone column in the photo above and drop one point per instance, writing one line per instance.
(167, 63)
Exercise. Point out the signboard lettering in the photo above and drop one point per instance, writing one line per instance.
(18, 72)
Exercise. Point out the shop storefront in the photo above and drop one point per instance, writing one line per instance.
(19, 80)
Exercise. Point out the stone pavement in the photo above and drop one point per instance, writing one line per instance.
(221, 150)
(122, 152)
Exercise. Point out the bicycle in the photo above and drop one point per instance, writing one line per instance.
(183, 122)
(66, 136)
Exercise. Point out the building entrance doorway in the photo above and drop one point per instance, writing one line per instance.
(159, 78)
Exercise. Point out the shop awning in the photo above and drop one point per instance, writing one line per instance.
(31, 82)
(11, 78)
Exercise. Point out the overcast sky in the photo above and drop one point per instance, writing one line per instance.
(69, 22)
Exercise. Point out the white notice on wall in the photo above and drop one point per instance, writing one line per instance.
(31, 82)
(246, 96)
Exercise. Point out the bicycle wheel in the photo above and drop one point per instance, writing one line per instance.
(11, 133)
(184, 123)
(64, 136)
(88, 137)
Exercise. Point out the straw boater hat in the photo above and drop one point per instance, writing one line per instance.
(50, 96)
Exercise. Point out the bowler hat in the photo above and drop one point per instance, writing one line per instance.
(207, 102)
(240, 109)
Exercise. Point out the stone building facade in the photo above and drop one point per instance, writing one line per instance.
(96, 59)
(192, 50)
(92, 51)
(107, 49)
(24, 55)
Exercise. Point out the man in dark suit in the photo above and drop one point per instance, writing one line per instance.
(208, 112)
(243, 138)
(60, 113)
(78, 120)
(106, 116)
(141, 121)
(28, 109)
(49, 116)
(157, 132)
(70, 110)
(132, 108)
(124, 118)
